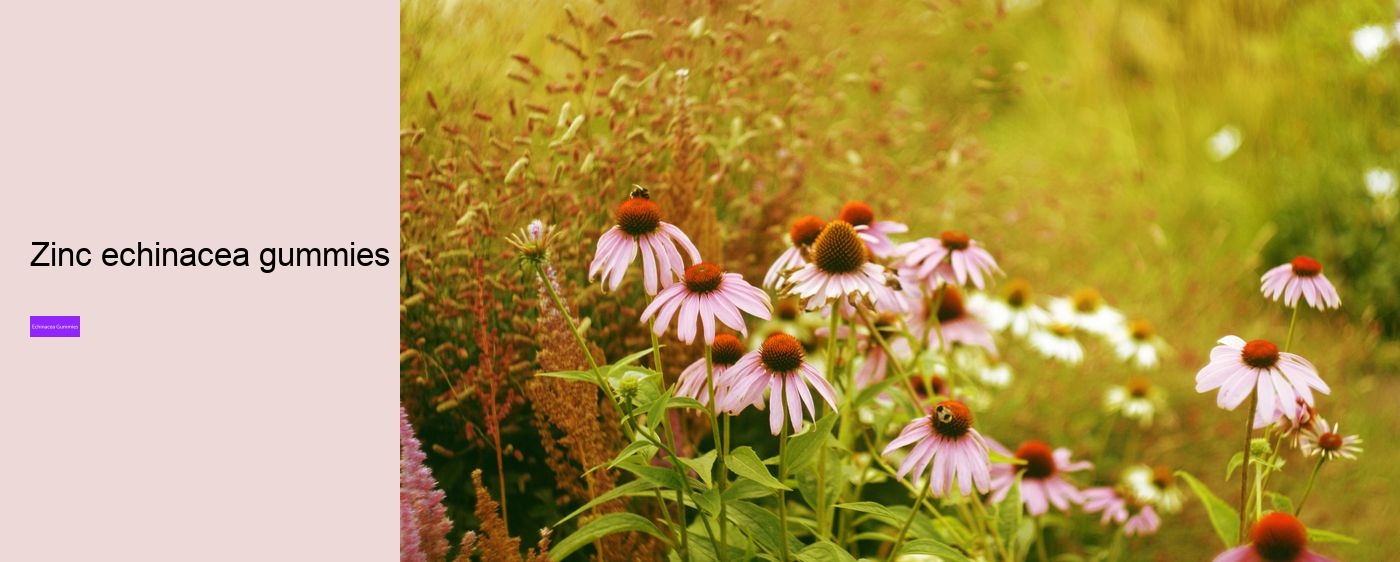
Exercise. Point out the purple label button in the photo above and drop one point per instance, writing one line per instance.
(55, 327)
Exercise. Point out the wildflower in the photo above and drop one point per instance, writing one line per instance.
(955, 323)
(954, 258)
(705, 295)
(1380, 183)
(801, 235)
(423, 521)
(1137, 400)
(1136, 343)
(1238, 368)
(839, 269)
(876, 363)
(1300, 277)
(1290, 428)
(1057, 342)
(778, 366)
(639, 227)
(1086, 310)
(533, 241)
(876, 235)
(1369, 41)
(1119, 510)
(947, 442)
(725, 352)
(1015, 310)
(1326, 440)
(1041, 481)
(1224, 143)
(1276, 537)
(1155, 486)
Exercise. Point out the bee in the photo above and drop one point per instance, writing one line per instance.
(944, 414)
(639, 191)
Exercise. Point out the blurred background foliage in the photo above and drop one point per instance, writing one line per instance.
(1166, 153)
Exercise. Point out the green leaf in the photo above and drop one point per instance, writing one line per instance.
(656, 409)
(584, 376)
(704, 465)
(802, 449)
(759, 523)
(601, 527)
(620, 364)
(630, 488)
(1009, 515)
(707, 501)
(645, 448)
(1234, 465)
(1321, 536)
(824, 551)
(878, 510)
(685, 402)
(1280, 502)
(870, 392)
(663, 477)
(745, 490)
(744, 462)
(930, 547)
(999, 458)
(1223, 517)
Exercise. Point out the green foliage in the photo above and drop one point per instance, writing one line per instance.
(1223, 518)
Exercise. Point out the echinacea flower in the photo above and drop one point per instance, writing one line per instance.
(953, 257)
(1042, 483)
(1137, 344)
(1327, 441)
(1015, 311)
(840, 269)
(956, 325)
(707, 294)
(1238, 368)
(801, 235)
(946, 442)
(1289, 428)
(876, 362)
(1155, 486)
(640, 228)
(875, 234)
(1276, 537)
(1056, 341)
(1086, 310)
(1138, 400)
(777, 366)
(1300, 277)
(1119, 509)
(724, 353)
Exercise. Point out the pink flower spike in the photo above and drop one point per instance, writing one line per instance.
(1281, 379)
(948, 448)
(639, 229)
(706, 295)
(779, 367)
(1300, 277)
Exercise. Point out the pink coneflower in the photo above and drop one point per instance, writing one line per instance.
(840, 269)
(1237, 368)
(801, 235)
(1276, 537)
(954, 258)
(1326, 440)
(948, 443)
(706, 295)
(876, 363)
(875, 234)
(1116, 509)
(639, 227)
(778, 366)
(1302, 276)
(1041, 482)
(957, 325)
(1288, 427)
(724, 353)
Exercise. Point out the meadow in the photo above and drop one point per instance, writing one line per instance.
(1163, 154)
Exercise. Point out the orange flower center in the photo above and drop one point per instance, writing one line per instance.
(638, 216)
(1162, 477)
(1260, 354)
(1040, 460)
(951, 419)
(781, 353)
(726, 350)
(804, 231)
(1141, 330)
(703, 277)
(951, 306)
(857, 213)
(1330, 442)
(837, 249)
(1278, 537)
(1018, 293)
(788, 309)
(954, 240)
(1086, 300)
(1304, 266)
(1139, 386)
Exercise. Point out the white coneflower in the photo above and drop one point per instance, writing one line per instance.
(1086, 310)
(1156, 486)
(1327, 440)
(1137, 344)
(1138, 400)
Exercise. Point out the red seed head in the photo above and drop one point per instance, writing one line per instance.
(781, 353)
(857, 213)
(1278, 537)
(727, 350)
(951, 419)
(1330, 442)
(1260, 354)
(703, 277)
(638, 216)
(950, 306)
(804, 230)
(838, 249)
(1304, 266)
(954, 240)
(1040, 459)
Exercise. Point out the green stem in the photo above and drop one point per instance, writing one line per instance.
(782, 478)
(991, 530)
(823, 527)
(1297, 511)
(1040, 539)
(629, 428)
(914, 510)
(1288, 344)
(1115, 550)
(1244, 474)
(722, 450)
